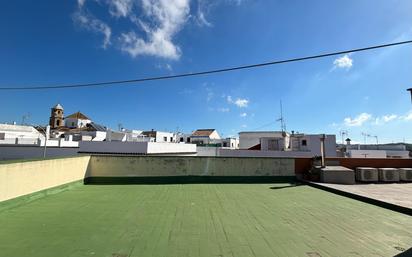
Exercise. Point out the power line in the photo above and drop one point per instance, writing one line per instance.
(191, 74)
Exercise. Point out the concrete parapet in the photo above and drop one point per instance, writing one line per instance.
(337, 175)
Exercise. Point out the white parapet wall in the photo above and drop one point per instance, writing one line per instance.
(136, 147)
(153, 166)
(259, 153)
(161, 148)
(22, 178)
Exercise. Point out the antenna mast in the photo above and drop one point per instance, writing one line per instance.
(282, 120)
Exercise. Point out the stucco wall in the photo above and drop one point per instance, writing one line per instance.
(17, 179)
(22, 178)
(140, 166)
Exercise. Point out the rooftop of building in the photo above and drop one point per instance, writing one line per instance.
(78, 115)
(203, 132)
(200, 220)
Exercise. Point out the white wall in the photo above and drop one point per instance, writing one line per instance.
(397, 154)
(378, 154)
(136, 147)
(160, 136)
(313, 145)
(259, 153)
(113, 147)
(11, 152)
(367, 153)
(207, 151)
(249, 139)
(155, 147)
(19, 134)
(78, 123)
(214, 135)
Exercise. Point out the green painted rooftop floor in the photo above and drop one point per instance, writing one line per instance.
(201, 220)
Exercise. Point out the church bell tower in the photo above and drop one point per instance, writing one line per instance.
(56, 117)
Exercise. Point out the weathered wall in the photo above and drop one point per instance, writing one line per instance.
(140, 166)
(21, 178)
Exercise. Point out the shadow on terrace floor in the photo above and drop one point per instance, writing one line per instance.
(292, 185)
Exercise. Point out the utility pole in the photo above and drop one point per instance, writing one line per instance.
(46, 135)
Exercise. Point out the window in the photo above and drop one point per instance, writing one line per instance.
(171, 139)
(304, 142)
(72, 124)
(58, 122)
(165, 139)
(224, 144)
(2, 136)
(274, 145)
(188, 139)
(181, 139)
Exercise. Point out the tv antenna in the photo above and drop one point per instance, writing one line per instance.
(365, 135)
(282, 119)
(24, 118)
(343, 134)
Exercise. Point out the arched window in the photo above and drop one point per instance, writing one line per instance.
(58, 122)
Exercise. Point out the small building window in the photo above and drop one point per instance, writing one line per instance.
(304, 142)
(58, 122)
(171, 139)
(2, 136)
(188, 139)
(165, 139)
(181, 139)
(224, 144)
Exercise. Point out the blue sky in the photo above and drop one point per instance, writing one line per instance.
(64, 42)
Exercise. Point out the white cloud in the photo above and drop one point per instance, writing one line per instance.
(203, 7)
(358, 120)
(120, 8)
(223, 110)
(387, 118)
(165, 19)
(239, 102)
(243, 115)
(154, 30)
(210, 94)
(166, 66)
(344, 62)
(243, 126)
(407, 117)
(89, 22)
(80, 3)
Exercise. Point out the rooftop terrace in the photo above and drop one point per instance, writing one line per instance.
(200, 220)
